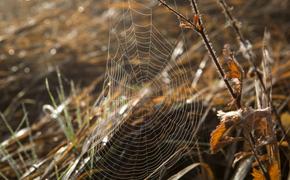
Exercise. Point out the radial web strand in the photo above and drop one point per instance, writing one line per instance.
(147, 121)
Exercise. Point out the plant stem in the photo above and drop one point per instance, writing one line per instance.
(251, 60)
(220, 70)
(252, 142)
(201, 31)
(177, 14)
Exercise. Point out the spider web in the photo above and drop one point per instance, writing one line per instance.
(147, 121)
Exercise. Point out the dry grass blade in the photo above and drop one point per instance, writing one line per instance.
(189, 168)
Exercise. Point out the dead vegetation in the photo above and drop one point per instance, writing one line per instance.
(218, 108)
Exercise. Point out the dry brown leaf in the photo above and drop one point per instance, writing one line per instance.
(257, 174)
(273, 170)
(234, 71)
(233, 68)
(228, 119)
(216, 136)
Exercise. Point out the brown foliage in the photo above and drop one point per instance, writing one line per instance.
(273, 170)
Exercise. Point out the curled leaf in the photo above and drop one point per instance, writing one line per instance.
(233, 68)
(218, 138)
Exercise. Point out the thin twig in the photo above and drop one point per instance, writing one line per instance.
(252, 145)
(199, 28)
(177, 14)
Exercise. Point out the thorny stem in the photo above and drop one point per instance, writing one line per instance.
(195, 9)
(212, 53)
(199, 28)
(232, 21)
(222, 73)
(177, 14)
(243, 41)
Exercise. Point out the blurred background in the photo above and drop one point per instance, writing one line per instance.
(47, 46)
